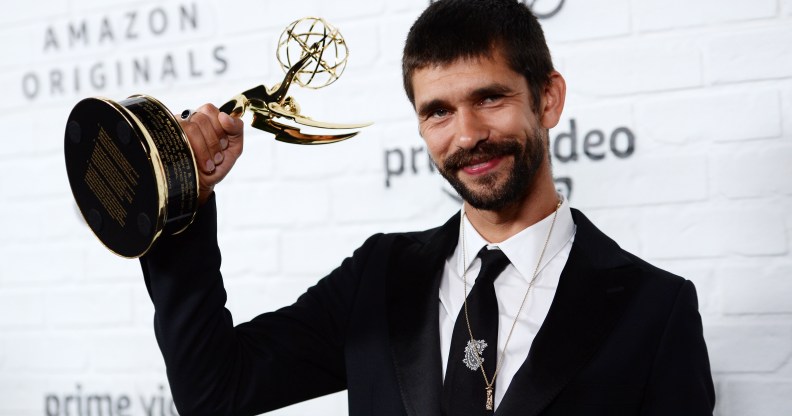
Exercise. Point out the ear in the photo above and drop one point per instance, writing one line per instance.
(553, 98)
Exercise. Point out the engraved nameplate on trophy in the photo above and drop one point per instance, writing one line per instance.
(131, 169)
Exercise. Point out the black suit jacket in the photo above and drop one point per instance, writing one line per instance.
(621, 337)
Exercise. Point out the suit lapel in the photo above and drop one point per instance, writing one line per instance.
(414, 273)
(593, 290)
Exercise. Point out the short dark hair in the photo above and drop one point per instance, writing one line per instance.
(449, 30)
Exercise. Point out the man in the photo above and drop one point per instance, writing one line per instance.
(566, 324)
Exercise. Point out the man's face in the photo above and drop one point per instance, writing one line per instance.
(481, 131)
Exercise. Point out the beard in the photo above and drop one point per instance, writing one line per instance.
(488, 193)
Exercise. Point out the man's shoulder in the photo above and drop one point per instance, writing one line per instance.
(661, 276)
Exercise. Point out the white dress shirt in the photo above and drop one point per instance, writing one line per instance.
(523, 250)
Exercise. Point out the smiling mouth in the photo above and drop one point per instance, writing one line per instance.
(480, 167)
(483, 158)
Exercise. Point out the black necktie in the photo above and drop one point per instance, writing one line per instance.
(464, 388)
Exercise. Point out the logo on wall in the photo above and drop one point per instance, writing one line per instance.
(124, 49)
(542, 9)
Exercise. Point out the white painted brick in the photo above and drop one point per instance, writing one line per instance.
(753, 170)
(17, 42)
(37, 263)
(366, 199)
(631, 66)
(317, 251)
(386, 102)
(89, 306)
(786, 108)
(695, 116)
(19, 126)
(315, 162)
(758, 54)
(35, 184)
(253, 15)
(23, 308)
(262, 65)
(253, 204)
(46, 353)
(395, 31)
(713, 231)
(605, 18)
(22, 395)
(342, 11)
(785, 371)
(255, 251)
(362, 40)
(652, 15)
(90, 5)
(48, 137)
(22, 219)
(756, 287)
(745, 348)
(11, 85)
(619, 224)
(756, 397)
(410, 6)
(115, 352)
(258, 158)
(27, 11)
(638, 180)
(102, 265)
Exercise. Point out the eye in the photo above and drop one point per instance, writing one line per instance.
(435, 113)
(438, 113)
(491, 99)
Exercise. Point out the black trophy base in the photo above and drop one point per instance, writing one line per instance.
(131, 171)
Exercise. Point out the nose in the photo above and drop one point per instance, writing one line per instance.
(470, 129)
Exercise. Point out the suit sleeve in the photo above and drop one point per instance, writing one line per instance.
(681, 381)
(277, 359)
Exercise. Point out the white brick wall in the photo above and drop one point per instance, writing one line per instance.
(703, 86)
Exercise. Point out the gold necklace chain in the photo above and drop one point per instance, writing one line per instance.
(490, 383)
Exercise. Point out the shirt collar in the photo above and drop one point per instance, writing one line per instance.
(524, 248)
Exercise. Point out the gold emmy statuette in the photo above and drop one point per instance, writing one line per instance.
(130, 166)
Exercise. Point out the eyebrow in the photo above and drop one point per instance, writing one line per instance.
(430, 106)
(476, 94)
(489, 90)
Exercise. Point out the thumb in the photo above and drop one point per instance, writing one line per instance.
(233, 126)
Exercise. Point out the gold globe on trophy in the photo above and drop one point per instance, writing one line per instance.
(131, 169)
(327, 62)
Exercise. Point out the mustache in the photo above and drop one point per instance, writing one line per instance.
(484, 150)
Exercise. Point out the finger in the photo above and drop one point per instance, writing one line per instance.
(210, 137)
(198, 144)
(234, 130)
(212, 111)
